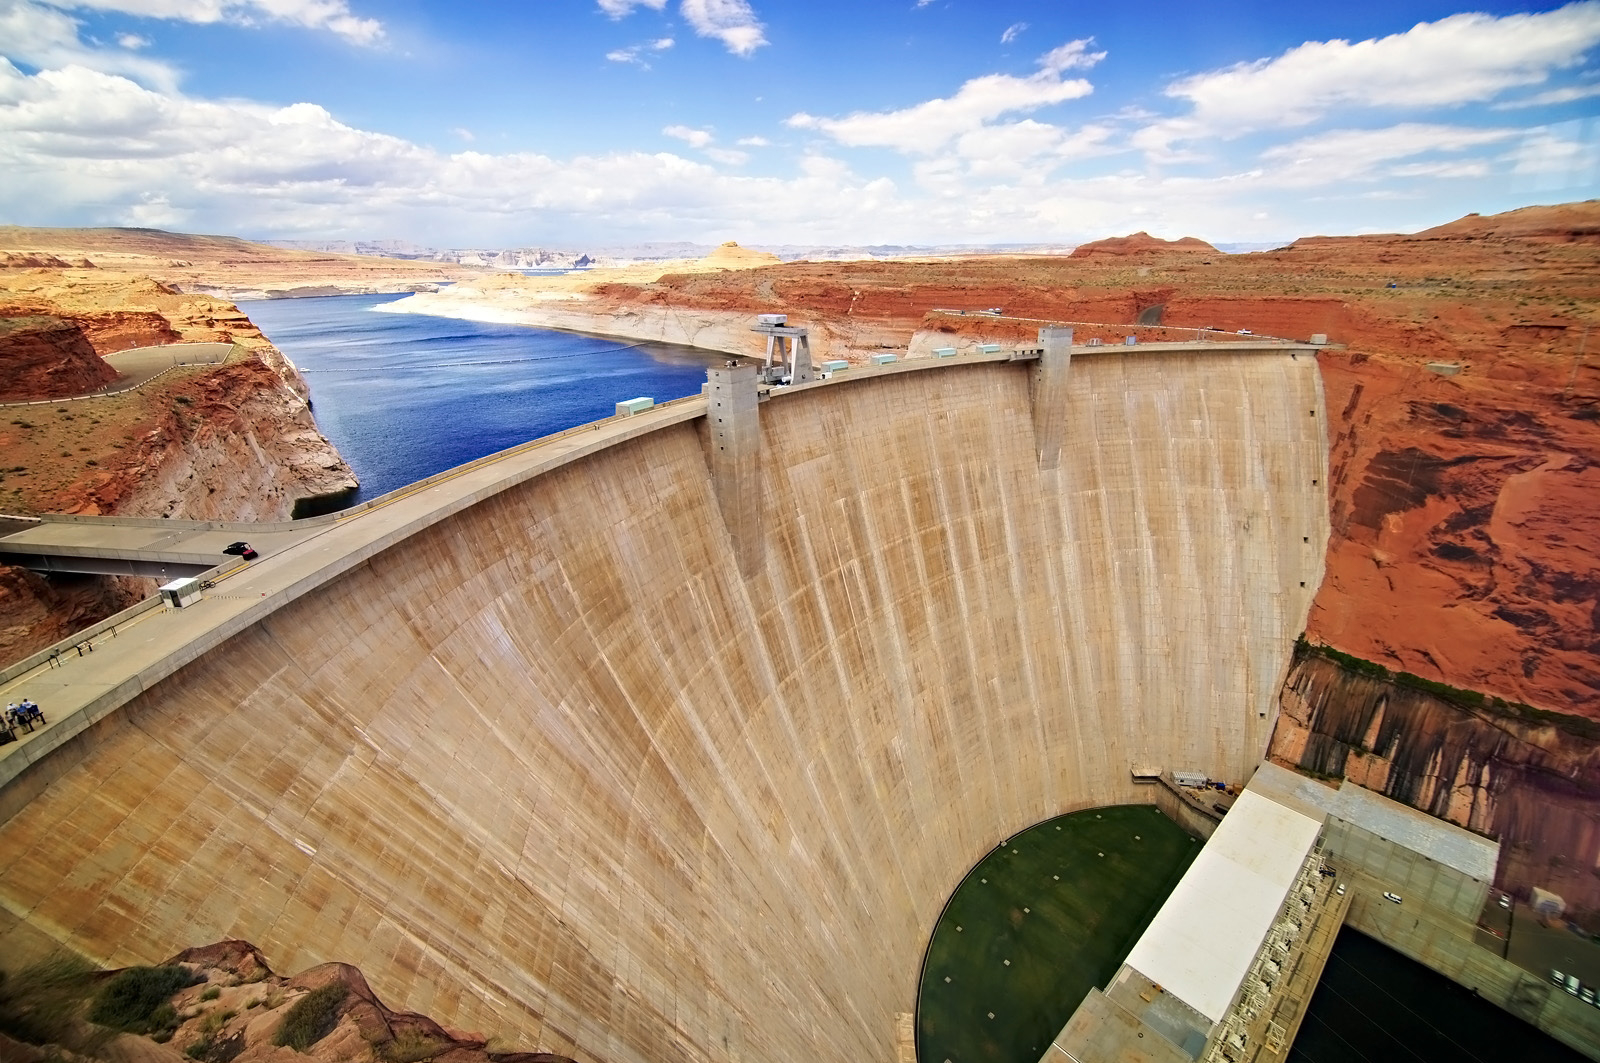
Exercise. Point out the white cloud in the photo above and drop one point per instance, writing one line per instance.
(732, 22)
(695, 138)
(1442, 169)
(1461, 59)
(929, 126)
(1558, 157)
(1554, 97)
(1014, 147)
(632, 54)
(47, 38)
(332, 15)
(86, 146)
(464, 134)
(1012, 32)
(619, 8)
(1360, 154)
(703, 139)
(132, 41)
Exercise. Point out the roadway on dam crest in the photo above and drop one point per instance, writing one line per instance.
(527, 747)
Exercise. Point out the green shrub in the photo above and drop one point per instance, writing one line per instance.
(211, 994)
(131, 1000)
(38, 1005)
(312, 1017)
(410, 1046)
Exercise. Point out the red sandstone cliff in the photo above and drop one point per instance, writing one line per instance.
(232, 441)
(1531, 783)
(45, 357)
(1141, 243)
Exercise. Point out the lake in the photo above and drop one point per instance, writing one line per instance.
(404, 396)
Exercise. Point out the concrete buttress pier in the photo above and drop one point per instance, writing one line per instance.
(1050, 394)
(733, 414)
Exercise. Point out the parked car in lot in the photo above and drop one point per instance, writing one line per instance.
(1395, 897)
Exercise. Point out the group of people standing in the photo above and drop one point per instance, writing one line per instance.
(24, 715)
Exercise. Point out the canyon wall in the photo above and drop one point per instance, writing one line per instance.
(553, 769)
(234, 441)
(1522, 778)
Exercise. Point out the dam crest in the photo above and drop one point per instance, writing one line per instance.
(548, 753)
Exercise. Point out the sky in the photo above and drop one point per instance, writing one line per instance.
(582, 123)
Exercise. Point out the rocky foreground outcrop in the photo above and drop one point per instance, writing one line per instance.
(231, 1008)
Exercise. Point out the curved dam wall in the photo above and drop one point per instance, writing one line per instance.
(553, 769)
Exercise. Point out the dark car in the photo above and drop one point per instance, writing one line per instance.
(244, 550)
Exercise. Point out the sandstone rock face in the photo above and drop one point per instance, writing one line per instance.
(1531, 785)
(1465, 531)
(235, 441)
(36, 612)
(42, 357)
(1141, 243)
(244, 448)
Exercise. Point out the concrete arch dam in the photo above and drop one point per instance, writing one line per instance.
(551, 767)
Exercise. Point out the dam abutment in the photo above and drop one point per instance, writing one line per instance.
(557, 766)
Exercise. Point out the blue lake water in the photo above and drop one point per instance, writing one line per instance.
(404, 396)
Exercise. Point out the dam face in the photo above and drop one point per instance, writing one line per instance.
(554, 769)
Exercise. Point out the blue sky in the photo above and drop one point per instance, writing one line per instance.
(576, 123)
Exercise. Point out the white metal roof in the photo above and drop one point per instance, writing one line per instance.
(1200, 945)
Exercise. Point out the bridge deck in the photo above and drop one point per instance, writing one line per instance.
(181, 548)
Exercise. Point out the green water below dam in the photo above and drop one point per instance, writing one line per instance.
(1046, 916)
